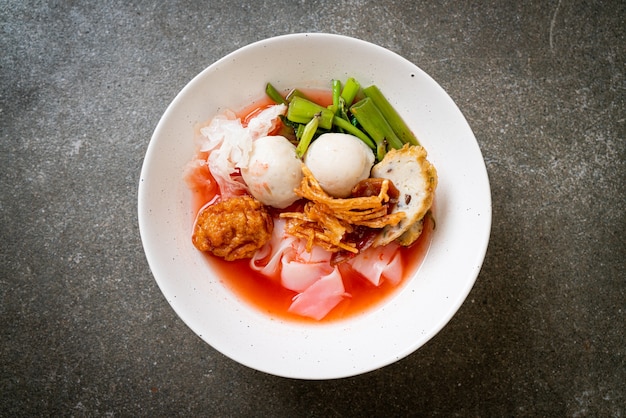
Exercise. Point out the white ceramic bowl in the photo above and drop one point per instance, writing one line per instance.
(338, 349)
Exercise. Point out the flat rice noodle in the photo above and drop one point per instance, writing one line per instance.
(376, 263)
(287, 256)
(301, 269)
(321, 297)
(267, 260)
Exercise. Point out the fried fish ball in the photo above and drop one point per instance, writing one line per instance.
(416, 180)
(233, 229)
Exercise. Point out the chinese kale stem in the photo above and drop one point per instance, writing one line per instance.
(374, 124)
(350, 90)
(399, 127)
(351, 129)
(336, 95)
(273, 94)
(301, 110)
(307, 135)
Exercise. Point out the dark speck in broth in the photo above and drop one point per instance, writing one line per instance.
(407, 199)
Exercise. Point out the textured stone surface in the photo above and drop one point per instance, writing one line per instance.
(84, 328)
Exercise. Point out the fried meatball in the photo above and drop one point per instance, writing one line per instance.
(233, 229)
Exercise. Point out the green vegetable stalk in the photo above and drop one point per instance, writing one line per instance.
(296, 93)
(394, 119)
(351, 129)
(301, 110)
(273, 94)
(307, 135)
(350, 91)
(336, 96)
(374, 123)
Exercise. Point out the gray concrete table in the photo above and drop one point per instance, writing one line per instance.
(84, 328)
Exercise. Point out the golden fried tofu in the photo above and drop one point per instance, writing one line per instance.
(233, 229)
(416, 180)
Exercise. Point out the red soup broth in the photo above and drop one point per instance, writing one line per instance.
(265, 293)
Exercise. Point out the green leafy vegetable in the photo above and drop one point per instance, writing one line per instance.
(273, 94)
(351, 129)
(302, 110)
(296, 93)
(307, 135)
(350, 91)
(336, 96)
(374, 123)
(396, 122)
